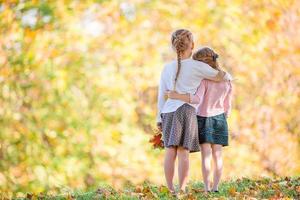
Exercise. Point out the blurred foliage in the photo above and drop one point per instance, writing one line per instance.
(78, 86)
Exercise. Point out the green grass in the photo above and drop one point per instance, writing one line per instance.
(244, 188)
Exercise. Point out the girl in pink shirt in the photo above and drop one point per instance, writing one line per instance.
(214, 104)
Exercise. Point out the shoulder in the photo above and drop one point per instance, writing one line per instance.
(169, 64)
(201, 67)
(168, 67)
(225, 85)
(197, 63)
(227, 82)
(208, 83)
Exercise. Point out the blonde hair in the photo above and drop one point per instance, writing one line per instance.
(181, 40)
(208, 56)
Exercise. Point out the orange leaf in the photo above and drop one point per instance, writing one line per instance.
(232, 191)
(156, 140)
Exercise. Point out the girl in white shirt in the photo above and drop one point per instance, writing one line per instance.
(177, 119)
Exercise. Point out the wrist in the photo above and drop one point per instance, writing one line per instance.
(174, 96)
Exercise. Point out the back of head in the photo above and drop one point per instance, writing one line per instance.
(181, 40)
(208, 56)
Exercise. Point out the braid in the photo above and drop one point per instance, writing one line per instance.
(178, 67)
(181, 40)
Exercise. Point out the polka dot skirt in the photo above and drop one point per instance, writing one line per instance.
(180, 128)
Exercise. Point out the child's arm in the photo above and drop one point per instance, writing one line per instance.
(206, 71)
(227, 101)
(182, 97)
(160, 99)
(221, 76)
(189, 98)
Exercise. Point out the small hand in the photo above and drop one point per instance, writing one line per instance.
(159, 126)
(171, 94)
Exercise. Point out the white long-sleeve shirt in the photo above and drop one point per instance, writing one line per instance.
(190, 75)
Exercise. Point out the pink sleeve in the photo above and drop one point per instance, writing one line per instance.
(227, 100)
(198, 96)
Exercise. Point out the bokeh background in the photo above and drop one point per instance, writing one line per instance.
(78, 87)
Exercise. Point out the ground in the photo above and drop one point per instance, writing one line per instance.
(243, 188)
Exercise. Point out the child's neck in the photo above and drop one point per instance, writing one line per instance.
(186, 55)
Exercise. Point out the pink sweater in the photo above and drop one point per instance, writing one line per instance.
(214, 98)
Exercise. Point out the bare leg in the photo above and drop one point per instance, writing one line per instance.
(169, 165)
(206, 162)
(218, 164)
(183, 167)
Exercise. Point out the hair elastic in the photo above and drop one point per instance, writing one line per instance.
(215, 56)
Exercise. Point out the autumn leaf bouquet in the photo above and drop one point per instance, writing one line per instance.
(156, 140)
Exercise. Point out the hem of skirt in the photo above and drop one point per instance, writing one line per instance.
(222, 133)
(212, 142)
(190, 150)
(206, 140)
